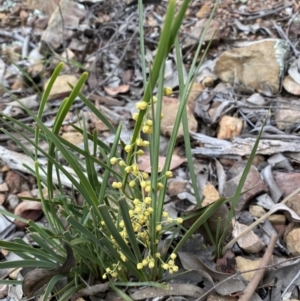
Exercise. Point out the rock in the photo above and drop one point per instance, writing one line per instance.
(170, 108)
(176, 187)
(258, 66)
(277, 219)
(243, 264)
(229, 127)
(61, 88)
(291, 86)
(294, 203)
(14, 181)
(208, 82)
(257, 211)
(253, 186)
(284, 117)
(249, 242)
(210, 193)
(293, 241)
(288, 182)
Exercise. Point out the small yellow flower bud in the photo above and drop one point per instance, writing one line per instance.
(146, 129)
(179, 220)
(104, 276)
(128, 169)
(139, 266)
(135, 167)
(114, 184)
(121, 224)
(168, 91)
(160, 186)
(145, 262)
(113, 160)
(147, 200)
(140, 152)
(142, 105)
(175, 268)
(157, 255)
(135, 116)
(128, 148)
(150, 209)
(132, 183)
(149, 122)
(158, 228)
(122, 163)
(162, 116)
(146, 143)
(151, 264)
(136, 202)
(120, 185)
(139, 142)
(145, 175)
(154, 99)
(173, 256)
(165, 266)
(143, 184)
(148, 188)
(169, 174)
(165, 214)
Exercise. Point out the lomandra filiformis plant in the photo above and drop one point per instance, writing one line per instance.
(117, 234)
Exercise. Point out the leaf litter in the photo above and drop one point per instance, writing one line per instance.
(227, 110)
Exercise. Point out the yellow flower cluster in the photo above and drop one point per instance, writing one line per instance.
(141, 208)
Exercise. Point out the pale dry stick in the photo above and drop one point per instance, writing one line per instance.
(258, 221)
(252, 285)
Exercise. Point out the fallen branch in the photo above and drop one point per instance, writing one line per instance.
(252, 285)
(19, 162)
(241, 146)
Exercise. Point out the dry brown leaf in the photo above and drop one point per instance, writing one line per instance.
(28, 210)
(204, 11)
(61, 88)
(73, 137)
(144, 162)
(112, 91)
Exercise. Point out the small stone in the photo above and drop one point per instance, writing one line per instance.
(291, 86)
(293, 242)
(3, 187)
(208, 82)
(176, 187)
(294, 203)
(243, 264)
(288, 182)
(277, 219)
(284, 117)
(249, 242)
(210, 193)
(257, 211)
(230, 127)
(14, 274)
